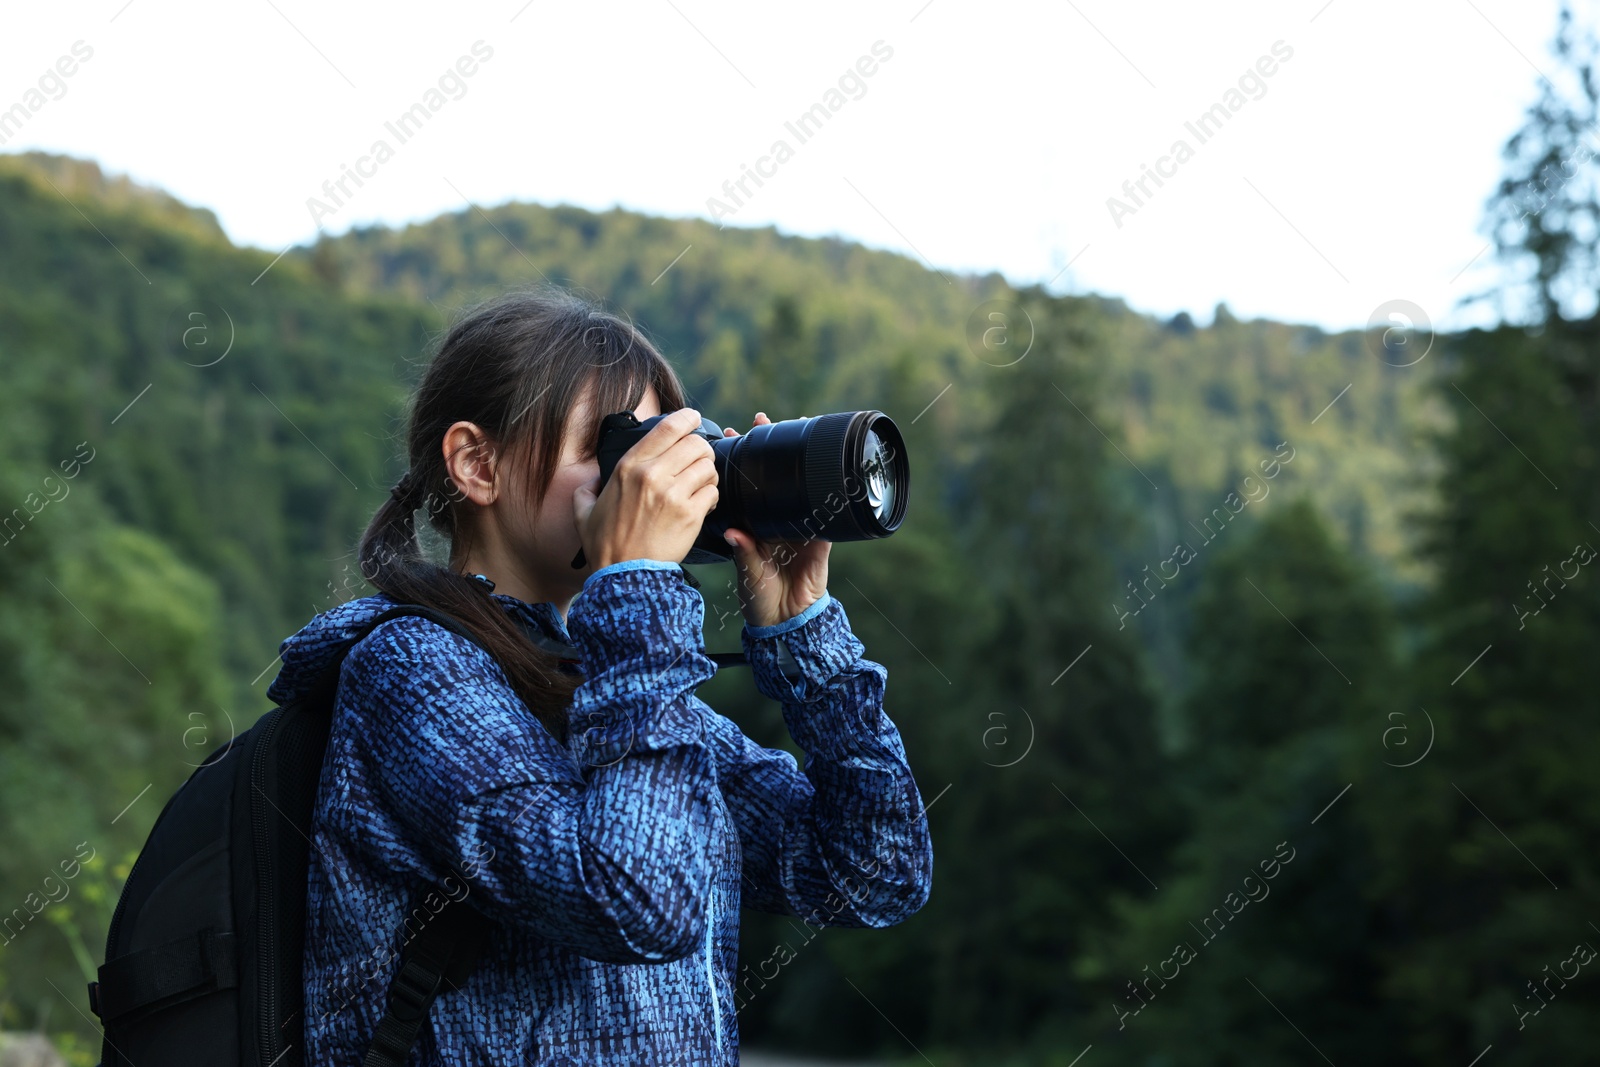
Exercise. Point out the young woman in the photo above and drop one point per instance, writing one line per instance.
(608, 821)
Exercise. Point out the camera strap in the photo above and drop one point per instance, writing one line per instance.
(569, 654)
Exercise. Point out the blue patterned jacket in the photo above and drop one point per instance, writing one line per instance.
(614, 866)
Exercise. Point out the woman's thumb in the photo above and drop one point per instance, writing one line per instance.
(748, 555)
(583, 501)
(739, 548)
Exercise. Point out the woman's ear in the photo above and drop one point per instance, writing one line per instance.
(471, 459)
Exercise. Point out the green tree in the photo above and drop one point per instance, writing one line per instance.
(1292, 646)
(1486, 846)
(1040, 838)
(1544, 214)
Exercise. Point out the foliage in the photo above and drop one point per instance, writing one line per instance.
(1295, 663)
(1544, 217)
(1080, 754)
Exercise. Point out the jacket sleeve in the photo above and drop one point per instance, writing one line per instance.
(607, 854)
(844, 842)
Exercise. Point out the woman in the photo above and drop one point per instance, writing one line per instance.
(606, 820)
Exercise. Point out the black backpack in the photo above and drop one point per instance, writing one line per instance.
(204, 954)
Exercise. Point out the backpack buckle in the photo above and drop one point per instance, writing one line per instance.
(415, 986)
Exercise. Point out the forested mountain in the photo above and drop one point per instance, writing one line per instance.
(752, 315)
(1196, 407)
(195, 434)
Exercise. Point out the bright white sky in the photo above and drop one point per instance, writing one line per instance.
(990, 140)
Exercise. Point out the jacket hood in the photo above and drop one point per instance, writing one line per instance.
(309, 651)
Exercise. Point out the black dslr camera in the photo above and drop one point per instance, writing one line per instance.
(839, 477)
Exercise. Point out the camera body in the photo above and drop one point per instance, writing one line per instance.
(620, 432)
(837, 477)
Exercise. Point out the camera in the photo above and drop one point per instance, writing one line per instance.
(838, 477)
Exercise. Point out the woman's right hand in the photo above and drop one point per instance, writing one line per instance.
(656, 500)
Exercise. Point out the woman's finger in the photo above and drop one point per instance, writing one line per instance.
(742, 555)
(747, 549)
(705, 498)
(685, 453)
(583, 501)
(702, 472)
(665, 436)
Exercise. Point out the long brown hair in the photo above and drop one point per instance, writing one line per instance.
(516, 366)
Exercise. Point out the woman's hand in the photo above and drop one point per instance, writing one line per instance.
(656, 501)
(777, 580)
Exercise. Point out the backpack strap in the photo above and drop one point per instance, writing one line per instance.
(324, 689)
(449, 622)
(163, 975)
(444, 953)
(450, 945)
(447, 948)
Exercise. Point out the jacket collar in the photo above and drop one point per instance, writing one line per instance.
(542, 623)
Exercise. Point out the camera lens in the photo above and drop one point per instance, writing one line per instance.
(879, 481)
(838, 477)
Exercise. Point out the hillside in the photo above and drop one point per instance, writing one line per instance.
(816, 321)
(1196, 406)
(230, 422)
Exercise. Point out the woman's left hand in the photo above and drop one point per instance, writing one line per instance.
(777, 580)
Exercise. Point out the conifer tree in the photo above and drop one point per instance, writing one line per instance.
(1292, 652)
(1487, 864)
(1060, 796)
